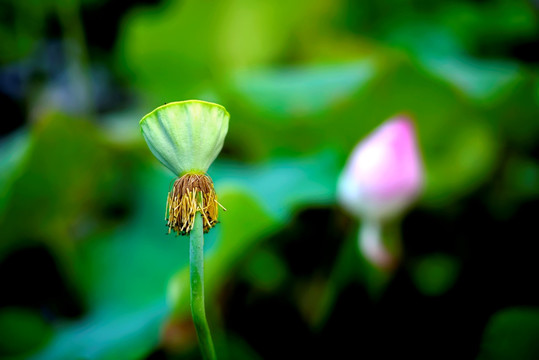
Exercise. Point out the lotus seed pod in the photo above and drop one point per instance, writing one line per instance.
(186, 137)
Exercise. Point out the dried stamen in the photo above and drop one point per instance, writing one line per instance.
(191, 193)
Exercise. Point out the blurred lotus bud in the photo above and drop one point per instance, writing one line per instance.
(384, 174)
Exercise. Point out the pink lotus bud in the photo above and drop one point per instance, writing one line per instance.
(384, 174)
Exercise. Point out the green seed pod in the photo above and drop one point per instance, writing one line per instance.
(186, 136)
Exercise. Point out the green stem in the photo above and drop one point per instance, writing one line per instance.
(198, 312)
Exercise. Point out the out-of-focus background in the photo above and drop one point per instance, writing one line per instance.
(86, 270)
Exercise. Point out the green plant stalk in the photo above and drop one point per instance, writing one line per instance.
(196, 259)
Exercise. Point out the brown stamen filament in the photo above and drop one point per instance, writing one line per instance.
(191, 193)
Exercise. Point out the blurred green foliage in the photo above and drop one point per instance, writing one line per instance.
(512, 334)
(22, 330)
(304, 81)
(435, 274)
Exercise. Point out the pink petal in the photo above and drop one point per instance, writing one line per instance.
(384, 173)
